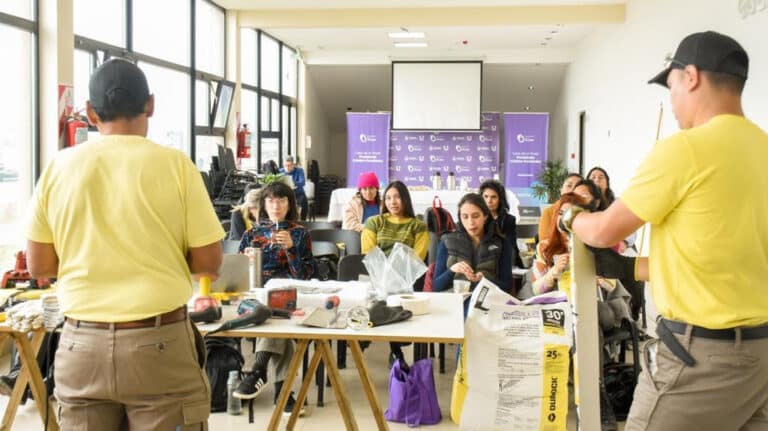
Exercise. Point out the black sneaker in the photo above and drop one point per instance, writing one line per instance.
(7, 382)
(289, 406)
(251, 386)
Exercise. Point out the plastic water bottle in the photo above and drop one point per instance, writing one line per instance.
(437, 181)
(450, 182)
(234, 406)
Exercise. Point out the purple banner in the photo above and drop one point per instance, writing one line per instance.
(367, 146)
(472, 156)
(525, 150)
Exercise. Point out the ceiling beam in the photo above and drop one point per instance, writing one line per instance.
(432, 17)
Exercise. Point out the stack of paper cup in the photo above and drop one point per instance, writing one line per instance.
(51, 312)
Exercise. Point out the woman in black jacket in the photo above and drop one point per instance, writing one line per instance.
(495, 197)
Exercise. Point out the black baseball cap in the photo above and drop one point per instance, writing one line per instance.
(710, 51)
(118, 87)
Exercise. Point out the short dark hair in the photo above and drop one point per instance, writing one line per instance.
(477, 200)
(574, 174)
(499, 189)
(594, 190)
(725, 81)
(278, 189)
(608, 196)
(118, 89)
(405, 198)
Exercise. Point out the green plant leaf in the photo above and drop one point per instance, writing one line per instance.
(549, 180)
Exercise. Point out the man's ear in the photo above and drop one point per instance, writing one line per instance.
(149, 107)
(692, 77)
(93, 117)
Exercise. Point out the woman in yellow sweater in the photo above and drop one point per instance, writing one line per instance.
(396, 223)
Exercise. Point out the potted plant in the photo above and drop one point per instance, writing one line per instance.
(549, 181)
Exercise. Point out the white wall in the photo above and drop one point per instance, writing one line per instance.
(317, 128)
(608, 76)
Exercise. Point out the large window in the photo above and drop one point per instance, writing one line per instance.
(17, 140)
(270, 84)
(20, 8)
(209, 38)
(83, 67)
(102, 20)
(169, 125)
(270, 63)
(161, 29)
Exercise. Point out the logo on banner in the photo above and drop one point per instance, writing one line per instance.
(459, 149)
(435, 148)
(458, 138)
(397, 168)
(483, 169)
(410, 138)
(469, 158)
(398, 147)
(412, 168)
(367, 138)
(525, 138)
(446, 147)
(434, 158)
(410, 158)
(412, 148)
(479, 148)
(482, 138)
(446, 168)
(460, 169)
(457, 159)
(483, 158)
(493, 127)
(469, 138)
(421, 137)
(493, 148)
(493, 168)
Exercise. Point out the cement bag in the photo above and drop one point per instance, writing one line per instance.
(516, 360)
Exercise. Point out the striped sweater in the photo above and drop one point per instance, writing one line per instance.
(386, 230)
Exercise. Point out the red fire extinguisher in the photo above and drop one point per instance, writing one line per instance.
(243, 142)
(77, 130)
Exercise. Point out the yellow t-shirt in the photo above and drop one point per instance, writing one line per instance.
(705, 193)
(122, 212)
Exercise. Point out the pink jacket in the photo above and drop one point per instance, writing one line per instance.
(353, 215)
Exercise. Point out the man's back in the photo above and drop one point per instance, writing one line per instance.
(122, 212)
(707, 204)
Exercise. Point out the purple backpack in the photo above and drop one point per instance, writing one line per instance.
(412, 395)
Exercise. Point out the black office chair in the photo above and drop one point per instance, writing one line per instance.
(324, 248)
(350, 238)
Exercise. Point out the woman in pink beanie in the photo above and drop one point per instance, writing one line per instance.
(365, 203)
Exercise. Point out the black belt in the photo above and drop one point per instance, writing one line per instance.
(753, 333)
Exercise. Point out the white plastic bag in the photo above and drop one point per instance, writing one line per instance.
(394, 274)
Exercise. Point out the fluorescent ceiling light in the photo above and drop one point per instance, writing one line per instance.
(410, 44)
(407, 35)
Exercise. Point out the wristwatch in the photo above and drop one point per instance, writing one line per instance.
(566, 220)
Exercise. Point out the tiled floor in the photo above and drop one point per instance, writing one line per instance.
(317, 418)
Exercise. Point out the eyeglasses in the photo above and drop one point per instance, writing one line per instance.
(669, 61)
(276, 201)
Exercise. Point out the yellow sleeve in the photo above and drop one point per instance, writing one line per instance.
(368, 238)
(203, 226)
(421, 244)
(668, 171)
(38, 228)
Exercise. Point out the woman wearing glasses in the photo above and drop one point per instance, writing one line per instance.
(286, 249)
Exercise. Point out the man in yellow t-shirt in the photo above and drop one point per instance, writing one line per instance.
(704, 192)
(122, 223)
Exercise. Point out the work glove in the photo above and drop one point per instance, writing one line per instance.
(610, 264)
(380, 314)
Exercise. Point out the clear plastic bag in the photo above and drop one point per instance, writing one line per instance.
(394, 274)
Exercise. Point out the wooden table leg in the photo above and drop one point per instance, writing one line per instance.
(370, 390)
(29, 373)
(293, 369)
(338, 386)
(305, 384)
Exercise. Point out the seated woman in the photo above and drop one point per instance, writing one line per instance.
(600, 177)
(244, 215)
(364, 204)
(495, 197)
(552, 254)
(546, 215)
(286, 249)
(474, 251)
(397, 223)
(593, 197)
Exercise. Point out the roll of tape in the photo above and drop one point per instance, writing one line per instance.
(416, 304)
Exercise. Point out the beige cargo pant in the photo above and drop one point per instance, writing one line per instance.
(138, 379)
(726, 390)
